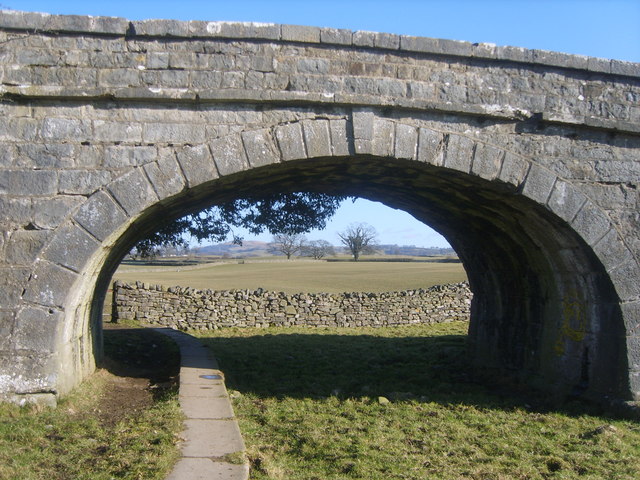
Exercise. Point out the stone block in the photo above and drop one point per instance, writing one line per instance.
(197, 164)
(620, 67)
(406, 142)
(157, 60)
(362, 121)
(267, 31)
(391, 88)
(626, 280)
(455, 47)
(7, 322)
(28, 182)
(631, 316)
(383, 140)
(565, 200)
(229, 155)
(165, 175)
(316, 66)
(600, 65)
(387, 40)
(260, 147)
(317, 138)
(12, 283)
(38, 329)
(297, 33)
(47, 155)
(514, 54)
(18, 129)
(232, 80)
(612, 251)
(69, 23)
(36, 57)
(13, 19)
(129, 156)
(619, 171)
(484, 50)
(82, 182)
(591, 223)
(430, 147)
(48, 213)
(341, 143)
(487, 161)
(633, 353)
(182, 61)
(539, 183)
(419, 44)
(161, 28)
(49, 285)
(15, 211)
(290, 141)
(336, 36)
(174, 133)
(363, 38)
(263, 63)
(100, 215)
(133, 191)
(459, 153)
(206, 79)
(119, 77)
(514, 169)
(125, 132)
(24, 246)
(71, 247)
(110, 25)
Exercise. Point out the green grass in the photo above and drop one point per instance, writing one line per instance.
(400, 403)
(88, 438)
(301, 276)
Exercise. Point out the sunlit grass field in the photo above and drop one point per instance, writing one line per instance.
(401, 403)
(301, 276)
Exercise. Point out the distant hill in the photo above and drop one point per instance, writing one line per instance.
(247, 249)
(413, 251)
(261, 249)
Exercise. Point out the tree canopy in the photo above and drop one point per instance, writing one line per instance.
(359, 238)
(287, 244)
(283, 213)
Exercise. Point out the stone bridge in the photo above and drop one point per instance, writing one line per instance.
(527, 161)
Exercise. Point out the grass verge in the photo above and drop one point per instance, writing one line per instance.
(399, 403)
(122, 423)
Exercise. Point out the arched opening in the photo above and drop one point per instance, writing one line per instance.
(544, 308)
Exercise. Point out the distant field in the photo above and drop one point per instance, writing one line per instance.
(300, 275)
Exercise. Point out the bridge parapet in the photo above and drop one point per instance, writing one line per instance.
(84, 58)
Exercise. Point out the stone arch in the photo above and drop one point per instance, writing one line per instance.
(546, 264)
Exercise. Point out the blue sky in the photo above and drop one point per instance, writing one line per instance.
(598, 28)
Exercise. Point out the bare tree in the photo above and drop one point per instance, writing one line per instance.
(319, 249)
(287, 244)
(359, 238)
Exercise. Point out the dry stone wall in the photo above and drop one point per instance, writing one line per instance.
(188, 308)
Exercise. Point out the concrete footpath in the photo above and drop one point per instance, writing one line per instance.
(212, 444)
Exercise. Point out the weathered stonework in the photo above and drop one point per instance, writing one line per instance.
(527, 161)
(186, 308)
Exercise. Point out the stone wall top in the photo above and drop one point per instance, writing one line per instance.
(114, 26)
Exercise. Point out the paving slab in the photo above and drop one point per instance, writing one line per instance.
(211, 430)
(207, 469)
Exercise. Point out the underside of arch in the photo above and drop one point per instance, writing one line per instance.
(544, 309)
